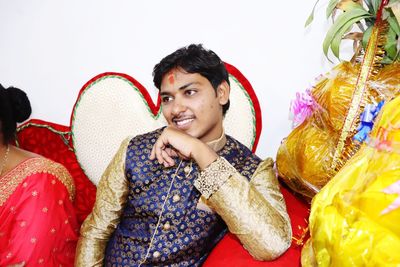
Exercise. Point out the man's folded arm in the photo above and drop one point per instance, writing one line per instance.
(254, 211)
(111, 196)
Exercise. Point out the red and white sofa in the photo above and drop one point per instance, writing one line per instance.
(112, 106)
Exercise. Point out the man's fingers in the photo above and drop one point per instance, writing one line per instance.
(152, 153)
(171, 152)
(158, 152)
(162, 150)
(168, 161)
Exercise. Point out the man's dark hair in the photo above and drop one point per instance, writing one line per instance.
(14, 107)
(194, 59)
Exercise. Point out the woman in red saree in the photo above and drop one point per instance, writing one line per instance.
(38, 226)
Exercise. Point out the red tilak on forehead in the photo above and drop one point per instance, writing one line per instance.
(171, 78)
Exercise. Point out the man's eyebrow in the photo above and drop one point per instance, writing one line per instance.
(180, 88)
(187, 85)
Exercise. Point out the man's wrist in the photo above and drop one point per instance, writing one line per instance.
(214, 176)
(203, 155)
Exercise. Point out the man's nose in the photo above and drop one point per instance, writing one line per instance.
(178, 106)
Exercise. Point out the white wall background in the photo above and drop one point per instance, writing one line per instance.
(51, 48)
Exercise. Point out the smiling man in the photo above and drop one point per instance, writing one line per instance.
(170, 195)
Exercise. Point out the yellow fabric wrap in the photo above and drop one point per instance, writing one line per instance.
(304, 159)
(348, 225)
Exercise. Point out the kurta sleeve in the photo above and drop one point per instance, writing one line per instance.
(101, 223)
(254, 211)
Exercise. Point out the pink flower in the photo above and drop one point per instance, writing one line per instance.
(302, 107)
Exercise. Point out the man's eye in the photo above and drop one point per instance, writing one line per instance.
(190, 92)
(166, 99)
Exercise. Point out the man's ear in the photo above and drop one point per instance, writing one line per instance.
(223, 92)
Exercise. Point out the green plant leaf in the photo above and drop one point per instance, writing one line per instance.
(370, 21)
(376, 4)
(398, 49)
(366, 36)
(337, 40)
(331, 6)
(341, 26)
(311, 17)
(369, 5)
(335, 45)
(394, 25)
(395, 8)
(386, 60)
(391, 44)
(373, 6)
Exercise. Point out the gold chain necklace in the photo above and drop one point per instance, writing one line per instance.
(5, 158)
(161, 213)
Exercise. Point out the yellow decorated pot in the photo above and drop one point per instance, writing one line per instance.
(304, 159)
(354, 219)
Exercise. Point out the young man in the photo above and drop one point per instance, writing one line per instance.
(168, 196)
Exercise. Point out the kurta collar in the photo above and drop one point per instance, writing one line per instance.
(219, 143)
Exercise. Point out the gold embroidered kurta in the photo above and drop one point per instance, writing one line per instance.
(255, 211)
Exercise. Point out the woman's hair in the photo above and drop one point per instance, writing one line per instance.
(14, 107)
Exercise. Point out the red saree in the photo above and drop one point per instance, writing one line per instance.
(38, 224)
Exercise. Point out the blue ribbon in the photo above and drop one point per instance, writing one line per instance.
(367, 119)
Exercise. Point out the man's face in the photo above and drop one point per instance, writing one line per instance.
(190, 103)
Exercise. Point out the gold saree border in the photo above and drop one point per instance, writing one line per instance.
(12, 179)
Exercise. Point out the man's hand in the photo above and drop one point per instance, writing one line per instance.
(175, 143)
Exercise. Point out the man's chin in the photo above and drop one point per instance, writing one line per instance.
(191, 132)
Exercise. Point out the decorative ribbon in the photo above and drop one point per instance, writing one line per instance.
(367, 68)
(367, 119)
(382, 141)
(302, 107)
(392, 189)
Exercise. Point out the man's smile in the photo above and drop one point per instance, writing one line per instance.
(183, 122)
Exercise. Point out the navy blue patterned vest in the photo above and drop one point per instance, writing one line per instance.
(186, 233)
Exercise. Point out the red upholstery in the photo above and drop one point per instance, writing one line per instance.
(54, 141)
(47, 139)
(229, 252)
